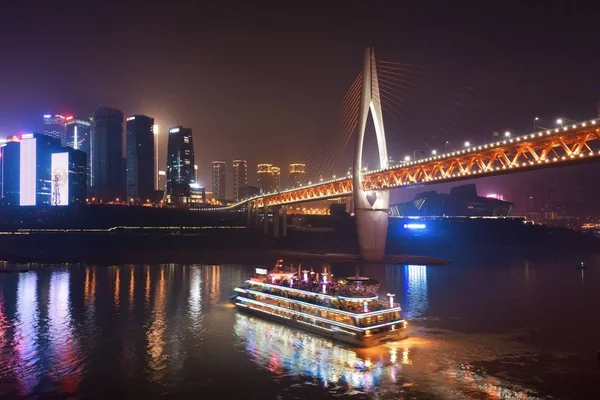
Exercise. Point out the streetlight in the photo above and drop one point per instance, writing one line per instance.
(406, 158)
(559, 122)
(534, 123)
(415, 155)
(433, 152)
(507, 134)
(467, 144)
(445, 146)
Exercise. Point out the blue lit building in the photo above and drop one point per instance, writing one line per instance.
(10, 160)
(180, 164)
(55, 127)
(79, 137)
(35, 164)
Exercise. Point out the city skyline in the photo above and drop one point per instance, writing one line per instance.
(299, 99)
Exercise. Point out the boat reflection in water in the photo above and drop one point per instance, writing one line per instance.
(288, 351)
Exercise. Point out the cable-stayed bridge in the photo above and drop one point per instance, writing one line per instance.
(375, 90)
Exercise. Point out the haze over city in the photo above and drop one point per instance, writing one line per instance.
(260, 82)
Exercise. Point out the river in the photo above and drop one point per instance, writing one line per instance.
(496, 330)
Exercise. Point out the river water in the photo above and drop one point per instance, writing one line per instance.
(501, 330)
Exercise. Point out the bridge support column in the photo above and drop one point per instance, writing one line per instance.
(370, 207)
(276, 221)
(266, 218)
(256, 214)
(248, 214)
(284, 221)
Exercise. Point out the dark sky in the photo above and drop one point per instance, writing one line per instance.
(260, 81)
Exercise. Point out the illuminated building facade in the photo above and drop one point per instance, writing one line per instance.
(10, 155)
(140, 158)
(297, 175)
(276, 178)
(197, 194)
(55, 127)
(79, 137)
(180, 164)
(107, 175)
(265, 177)
(35, 168)
(218, 180)
(240, 177)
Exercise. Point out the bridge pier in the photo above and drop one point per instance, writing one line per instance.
(284, 221)
(248, 214)
(370, 208)
(276, 221)
(266, 218)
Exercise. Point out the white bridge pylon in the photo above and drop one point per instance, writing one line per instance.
(371, 209)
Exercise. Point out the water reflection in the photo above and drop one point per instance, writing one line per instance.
(195, 300)
(74, 332)
(213, 279)
(117, 287)
(155, 334)
(415, 286)
(287, 351)
(65, 358)
(131, 286)
(27, 321)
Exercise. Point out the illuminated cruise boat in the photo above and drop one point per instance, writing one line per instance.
(346, 309)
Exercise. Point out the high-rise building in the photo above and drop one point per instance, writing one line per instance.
(156, 171)
(140, 158)
(68, 177)
(79, 137)
(297, 175)
(180, 164)
(78, 133)
(55, 127)
(218, 179)
(276, 178)
(108, 174)
(35, 168)
(240, 177)
(11, 155)
(264, 177)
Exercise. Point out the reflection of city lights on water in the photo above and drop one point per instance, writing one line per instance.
(415, 286)
(25, 336)
(277, 347)
(195, 299)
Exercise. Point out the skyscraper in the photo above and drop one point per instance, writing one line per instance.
(180, 164)
(240, 177)
(264, 177)
(35, 168)
(68, 177)
(107, 175)
(218, 179)
(55, 127)
(276, 178)
(78, 137)
(140, 158)
(297, 175)
(11, 156)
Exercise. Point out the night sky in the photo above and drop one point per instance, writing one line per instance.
(260, 81)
